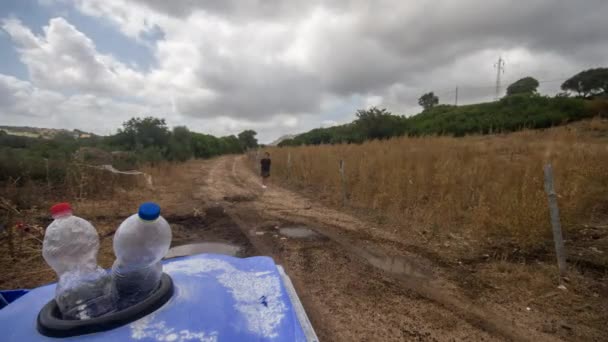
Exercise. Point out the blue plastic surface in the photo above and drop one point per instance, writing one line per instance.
(9, 296)
(12, 295)
(217, 298)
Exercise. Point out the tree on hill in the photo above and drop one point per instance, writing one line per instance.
(588, 83)
(230, 144)
(180, 144)
(247, 139)
(428, 100)
(376, 123)
(526, 85)
(143, 133)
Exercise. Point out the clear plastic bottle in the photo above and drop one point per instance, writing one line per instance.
(140, 243)
(70, 247)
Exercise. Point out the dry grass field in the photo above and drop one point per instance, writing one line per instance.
(482, 187)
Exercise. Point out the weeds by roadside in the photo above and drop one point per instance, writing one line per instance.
(485, 187)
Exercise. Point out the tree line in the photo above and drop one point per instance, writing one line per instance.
(151, 138)
(139, 141)
(584, 94)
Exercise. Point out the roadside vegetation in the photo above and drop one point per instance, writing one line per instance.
(36, 171)
(488, 188)
(62, 165)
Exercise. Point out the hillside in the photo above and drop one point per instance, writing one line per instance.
(511, 113)
(281, 139)
(45, 133)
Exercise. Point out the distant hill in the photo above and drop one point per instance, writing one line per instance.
(281, 139)
(45, 133)
(511, 113)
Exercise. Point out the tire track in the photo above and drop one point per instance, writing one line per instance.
(349, 242)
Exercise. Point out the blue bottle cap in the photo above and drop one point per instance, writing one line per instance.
(149, 211)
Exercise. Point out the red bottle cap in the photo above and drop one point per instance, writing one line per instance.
(60, 208)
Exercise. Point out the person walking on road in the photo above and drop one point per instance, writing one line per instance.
(265, 168)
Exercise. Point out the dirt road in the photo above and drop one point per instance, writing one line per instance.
(356, 282)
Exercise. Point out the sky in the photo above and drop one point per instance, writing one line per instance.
(277, 67)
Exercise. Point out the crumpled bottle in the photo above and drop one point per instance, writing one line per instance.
(140, 243)
(70, 247)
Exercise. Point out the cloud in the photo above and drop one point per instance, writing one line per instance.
(362, 47)
(20, 98)
(236, 64)
(22, 103)
(64, 58)
(234, 9)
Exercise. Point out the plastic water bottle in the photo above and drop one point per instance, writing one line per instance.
(70, 247)
(140, 243)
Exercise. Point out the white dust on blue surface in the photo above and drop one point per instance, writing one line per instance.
(149, 329)
(246, 288)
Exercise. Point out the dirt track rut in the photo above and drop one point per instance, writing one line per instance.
(356, 283)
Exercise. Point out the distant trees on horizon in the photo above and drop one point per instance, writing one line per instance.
(522, 107)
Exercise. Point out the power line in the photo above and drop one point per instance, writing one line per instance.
(460, 91)
(494, 85)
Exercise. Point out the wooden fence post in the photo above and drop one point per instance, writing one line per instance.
(343, 181)
(555, 224)
(288, 164)
(11, 212)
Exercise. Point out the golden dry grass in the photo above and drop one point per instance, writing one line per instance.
(486, 186)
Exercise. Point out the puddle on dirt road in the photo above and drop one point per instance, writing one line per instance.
(239, 198)
(203, 247)
(299, 233)
(209, 230)
(394, 264)
(397, 265)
